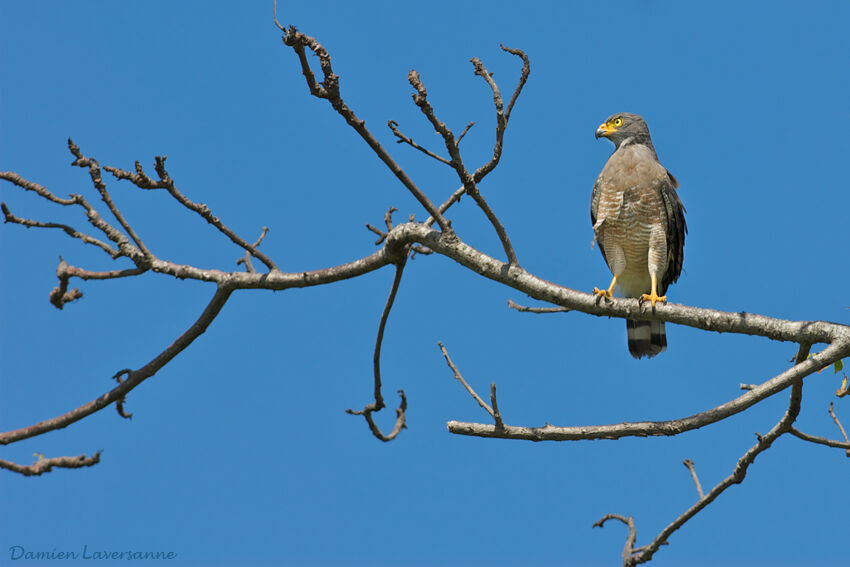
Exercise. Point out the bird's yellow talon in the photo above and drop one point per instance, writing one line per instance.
(606, 293)
(653, 298)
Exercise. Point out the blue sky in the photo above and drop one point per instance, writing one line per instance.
(240, 450)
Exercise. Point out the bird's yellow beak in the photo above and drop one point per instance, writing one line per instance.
(605, 129)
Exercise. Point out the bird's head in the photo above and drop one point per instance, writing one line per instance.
(623, 126)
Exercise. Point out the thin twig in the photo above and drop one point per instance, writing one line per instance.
(690, 464)
(838, 423)
(820, 440)
(526, 71)
(465, 130)
(453, 198)
(249, 266)
(459, 377)
(497, 415)
(402, 139)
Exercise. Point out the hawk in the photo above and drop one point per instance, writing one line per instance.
(639, 223)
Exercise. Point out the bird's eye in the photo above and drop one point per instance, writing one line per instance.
(618, 121)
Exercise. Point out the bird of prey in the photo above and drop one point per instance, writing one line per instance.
(639, 223)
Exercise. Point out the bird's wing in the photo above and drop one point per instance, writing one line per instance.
(594, 206)
(676, 229)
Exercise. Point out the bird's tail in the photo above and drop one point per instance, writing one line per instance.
(646, 338)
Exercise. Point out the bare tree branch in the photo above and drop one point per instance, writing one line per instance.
(397, 244)
(329, 90)
(142, 181)
(645, 553)
(469, 182)
(134, 377)
(737, 476)
(94, 172)
(43, 465)
(670, 427)
(72, 232)
(125, 248)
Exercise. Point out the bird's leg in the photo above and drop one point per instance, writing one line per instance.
(607, 293)
(654, 297)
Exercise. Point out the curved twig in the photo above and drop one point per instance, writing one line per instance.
(628, 548)
(379, 403)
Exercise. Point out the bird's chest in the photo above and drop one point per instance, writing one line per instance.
(626, 210)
